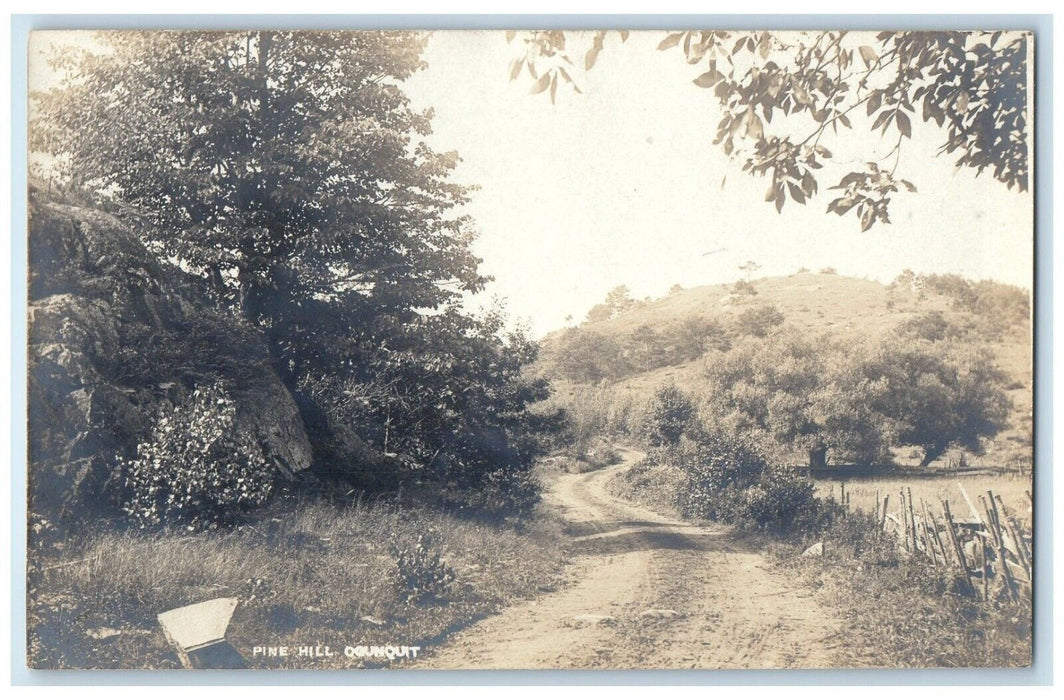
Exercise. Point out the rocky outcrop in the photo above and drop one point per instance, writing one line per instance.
(115, 338)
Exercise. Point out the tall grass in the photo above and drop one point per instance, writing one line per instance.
(903, 612)
(317, 573)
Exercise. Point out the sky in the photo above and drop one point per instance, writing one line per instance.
(622, 185)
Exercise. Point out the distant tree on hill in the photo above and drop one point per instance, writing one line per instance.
(996, 303)
(744, 288)
(694, 336)
(618, 300)
(599, 312)
(758, 321)
(932, 325)
(938, 396)
(749, 267)
(856, 401)
(647, 349)
(587, 356)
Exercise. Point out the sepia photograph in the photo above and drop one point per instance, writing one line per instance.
(530, 349)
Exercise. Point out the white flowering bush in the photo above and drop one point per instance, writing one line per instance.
(196, 470)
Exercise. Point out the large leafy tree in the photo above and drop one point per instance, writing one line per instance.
(288, 170)
(784, 96)
(854, 402)
(940, 394)
(285, 167)
(807, 395)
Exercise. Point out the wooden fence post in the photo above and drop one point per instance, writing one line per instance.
(1019, 544)
(957, 546)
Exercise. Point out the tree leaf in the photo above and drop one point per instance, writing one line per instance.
(754, 128)
(904, 125)
(874, 101)
(670, 41)
(541, 84)
(882, 120)
(808, 184)
(868, 55)
(709, 78)
(591, 57)
(867, 218)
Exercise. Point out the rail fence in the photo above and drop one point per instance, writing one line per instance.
(988, 548)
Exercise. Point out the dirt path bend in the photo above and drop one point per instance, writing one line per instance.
(648, 591)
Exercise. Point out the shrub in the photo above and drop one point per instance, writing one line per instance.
(758, 321)
(500, 494)
(856, 533)
(196, 470)
(717, 468)
(599, 453)
(422, 575)
(668, 415)
(744, 287)
(781, 501)
(728, 478)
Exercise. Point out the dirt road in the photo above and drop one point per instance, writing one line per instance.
(648, 591)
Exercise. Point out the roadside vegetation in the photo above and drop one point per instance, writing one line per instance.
(901, 610)
(307, 571)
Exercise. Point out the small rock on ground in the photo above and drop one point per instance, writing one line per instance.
(596, 619)
(660, 614)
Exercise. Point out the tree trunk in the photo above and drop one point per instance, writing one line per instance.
(931, 453)
(818, 458)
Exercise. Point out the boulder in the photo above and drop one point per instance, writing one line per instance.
(116, 339)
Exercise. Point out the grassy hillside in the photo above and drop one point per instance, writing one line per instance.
(981, 313)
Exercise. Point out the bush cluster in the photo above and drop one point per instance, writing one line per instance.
(196, 470)
(503, 493)
(728, 478)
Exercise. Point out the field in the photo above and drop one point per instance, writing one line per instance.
(316, 574)
(862, 493)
